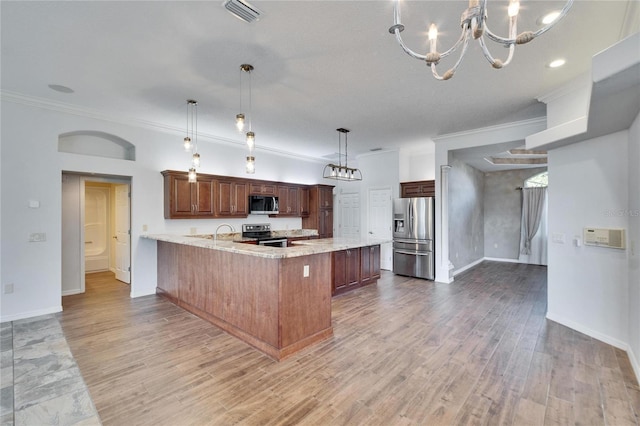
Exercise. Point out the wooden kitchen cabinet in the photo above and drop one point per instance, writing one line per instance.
(421, 188)
(288, 200)
(346, 270)
(258, 188)
(186, 200)
(303, 201)
(369, 264)
(320, 210)
(231, 198)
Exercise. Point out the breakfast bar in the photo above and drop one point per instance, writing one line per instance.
(277, 299)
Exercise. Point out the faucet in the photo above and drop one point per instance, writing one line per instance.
(231, 228)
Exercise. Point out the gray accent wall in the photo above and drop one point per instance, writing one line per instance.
(502, 211)
(466, 214)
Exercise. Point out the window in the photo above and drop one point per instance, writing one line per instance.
(539, 180)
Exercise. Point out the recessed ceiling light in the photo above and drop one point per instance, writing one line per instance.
(61, 89)
(556, 63)
(550, 17)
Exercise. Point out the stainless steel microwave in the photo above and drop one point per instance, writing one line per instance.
(261, 204)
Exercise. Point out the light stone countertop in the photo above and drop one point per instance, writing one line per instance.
(300, 248)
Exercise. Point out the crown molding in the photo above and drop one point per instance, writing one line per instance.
(32, 101)
(491, 129)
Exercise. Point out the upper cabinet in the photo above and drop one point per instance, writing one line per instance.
(213, 196)
(303, 201)
(288, 200)
(185, 200)
(231, 198)
(320, 210)
(420, 188)
(263, 188)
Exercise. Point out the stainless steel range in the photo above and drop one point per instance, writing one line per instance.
(262, 233)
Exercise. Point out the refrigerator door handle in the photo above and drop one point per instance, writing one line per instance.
(414, 253)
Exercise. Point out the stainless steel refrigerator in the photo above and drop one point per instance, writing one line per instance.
(413, 237)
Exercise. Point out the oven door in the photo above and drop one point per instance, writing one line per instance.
(273, 243)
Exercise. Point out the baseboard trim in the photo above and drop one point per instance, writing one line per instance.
(589, 332)
(469, 266)
(503, 259)
(635, 364)
(31, 314)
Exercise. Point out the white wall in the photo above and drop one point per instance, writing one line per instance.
(588, 286)
(31, 169)
(634, 244)
(418, 164)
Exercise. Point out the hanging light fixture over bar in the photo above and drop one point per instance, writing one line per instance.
(474, 25)
(191, 140)
(338, 171)
(241, 119)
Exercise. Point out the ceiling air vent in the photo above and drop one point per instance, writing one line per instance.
(242, 10)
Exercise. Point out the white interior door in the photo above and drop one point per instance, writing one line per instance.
(380, 221)
(349, 224)
(123, 234)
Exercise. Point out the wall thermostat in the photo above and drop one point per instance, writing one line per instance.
(604, 237)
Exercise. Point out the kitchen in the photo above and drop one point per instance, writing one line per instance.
(216, 276)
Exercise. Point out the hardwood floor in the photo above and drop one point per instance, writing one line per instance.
(404, 352)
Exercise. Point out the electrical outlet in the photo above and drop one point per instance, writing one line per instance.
(305, 271)
(8, 288)
(145, 228)
(194, 231)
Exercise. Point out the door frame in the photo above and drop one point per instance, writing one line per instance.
(84, 177)
(385, 248)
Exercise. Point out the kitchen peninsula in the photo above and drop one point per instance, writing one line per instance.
(277, 299)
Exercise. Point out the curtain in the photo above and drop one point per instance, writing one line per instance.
(533, 203)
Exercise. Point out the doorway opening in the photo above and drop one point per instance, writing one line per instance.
(96, 236)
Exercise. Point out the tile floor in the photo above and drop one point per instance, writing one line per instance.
(40, 383)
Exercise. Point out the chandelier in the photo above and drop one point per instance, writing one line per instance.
(474, 24)
(338, 171)
(241, 118)
(190, 142)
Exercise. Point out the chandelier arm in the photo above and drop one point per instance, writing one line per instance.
(447, 75)
(531, 35)
(464, 37)
(496, 63)
(406, 49)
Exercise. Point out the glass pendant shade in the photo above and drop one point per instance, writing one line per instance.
(240, 122)
(251, 140)
(187, 144)
(196, 160)
(192, 175)
(251, 165)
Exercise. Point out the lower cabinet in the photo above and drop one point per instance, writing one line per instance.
(369, 264)
(354, 268)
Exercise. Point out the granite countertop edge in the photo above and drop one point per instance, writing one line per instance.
(300, 248)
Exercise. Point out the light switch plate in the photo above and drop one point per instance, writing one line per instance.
(305, 271)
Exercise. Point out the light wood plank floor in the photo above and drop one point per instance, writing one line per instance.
(405, 352)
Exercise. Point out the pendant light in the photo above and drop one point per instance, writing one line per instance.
(338, 171)
(241, 120)
(190, 143)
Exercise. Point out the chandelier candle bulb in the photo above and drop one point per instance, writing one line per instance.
(474, 25)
